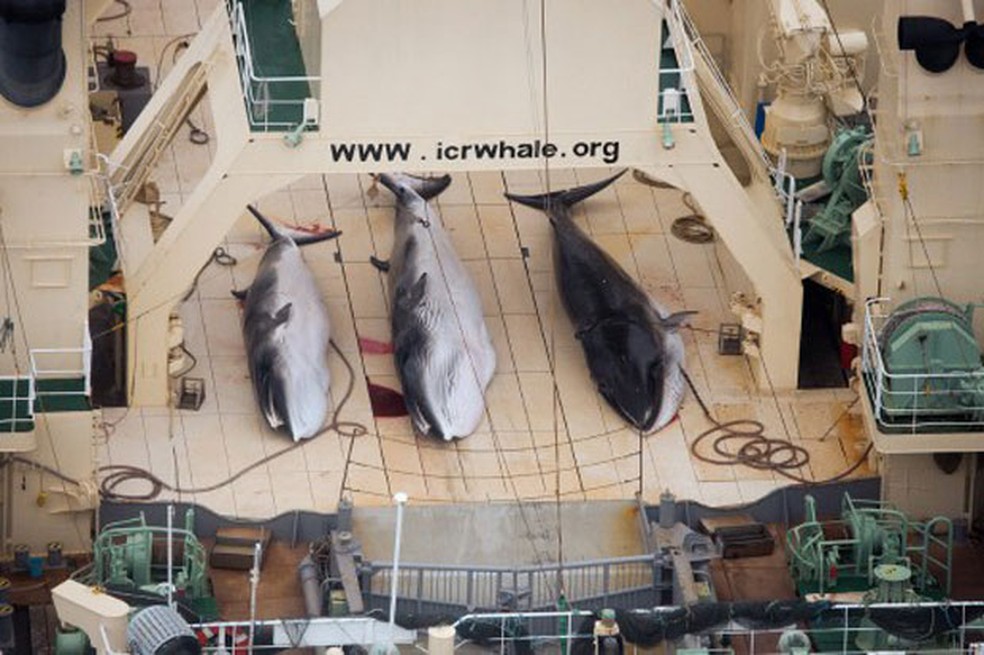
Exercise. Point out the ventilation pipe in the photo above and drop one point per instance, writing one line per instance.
(32, 63)
(937, 42)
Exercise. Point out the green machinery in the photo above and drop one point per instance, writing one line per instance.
(132, 556)
(842, 173)
(868, 548)
(932, 365)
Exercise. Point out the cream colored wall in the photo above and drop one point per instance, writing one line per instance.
(44, 218)
(44, 210)
(917, 486)
(494, 80)
(935, 249)
(40, 509)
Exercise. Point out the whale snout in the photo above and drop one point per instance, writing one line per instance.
(636, 406)
(626, 364)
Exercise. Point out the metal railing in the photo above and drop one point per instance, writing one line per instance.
(622, 582)
(261, 91)
(915, 402)
(722, 89)
(276, 635)
(672, 109)
(57, 371)
(839, 629)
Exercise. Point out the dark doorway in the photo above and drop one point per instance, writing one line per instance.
(977, 498)
(821, 359)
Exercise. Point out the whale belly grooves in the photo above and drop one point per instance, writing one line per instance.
(286, 331)
(442, 349)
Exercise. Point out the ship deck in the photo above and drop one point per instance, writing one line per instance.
(547, 434)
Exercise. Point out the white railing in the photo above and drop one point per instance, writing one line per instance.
(257, 88)
(273, 636)
(679, 42)
(919, 402)
(625, 581)
(723, 90)
(954, 631)
(82, 372)
(951, 627)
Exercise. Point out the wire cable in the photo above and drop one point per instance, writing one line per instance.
(123, 13)
(119, 474)
(692, 227)
(758, 451)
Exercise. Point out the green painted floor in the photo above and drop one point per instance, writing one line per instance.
(276, 53)
(837, 260)
(670, 79)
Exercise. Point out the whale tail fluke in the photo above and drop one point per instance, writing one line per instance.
(425, 187)
(564, 199)
(300, 237)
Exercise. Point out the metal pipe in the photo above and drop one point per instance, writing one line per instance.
(401, 500)
(254, 583)
(170, 555)
(311, 588)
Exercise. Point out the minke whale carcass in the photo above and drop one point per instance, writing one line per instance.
(286, 330)
(631, 345)
(443, 352)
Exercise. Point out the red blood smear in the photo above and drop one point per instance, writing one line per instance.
(385, 402)
(373, 347)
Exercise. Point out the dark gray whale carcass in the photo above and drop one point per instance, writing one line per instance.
(444, 355)
(286, 330)
(631, 344)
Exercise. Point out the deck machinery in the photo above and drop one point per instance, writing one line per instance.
(856, 552)
(923, 365)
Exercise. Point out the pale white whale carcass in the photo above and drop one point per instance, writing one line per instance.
(286, 330)
(444, 355)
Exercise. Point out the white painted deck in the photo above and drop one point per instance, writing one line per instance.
(534, 444)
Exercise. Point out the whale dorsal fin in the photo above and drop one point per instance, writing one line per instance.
(565, 199)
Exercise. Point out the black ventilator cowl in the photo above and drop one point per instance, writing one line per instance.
(936, 42)
(32, 63)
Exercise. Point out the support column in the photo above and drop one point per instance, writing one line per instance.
(158, 285)
(769, 267)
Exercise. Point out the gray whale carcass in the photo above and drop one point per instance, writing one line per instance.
(631, 345)
(443, 352)
(286, 330)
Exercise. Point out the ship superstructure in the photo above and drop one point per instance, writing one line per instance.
(800, 179)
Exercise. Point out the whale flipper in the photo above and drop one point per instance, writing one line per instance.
(675, 320)
(381, 265)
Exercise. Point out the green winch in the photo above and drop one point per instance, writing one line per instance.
(841, 170)
(932, 363)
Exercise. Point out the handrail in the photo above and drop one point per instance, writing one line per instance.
(84, 371)
(736, 114)
(256, 87)
(953, 400)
